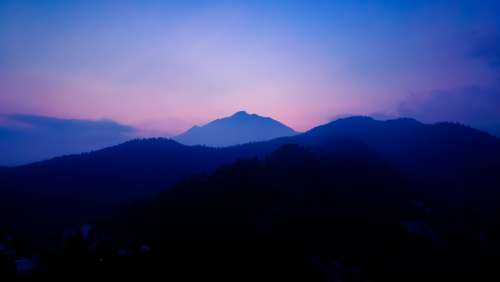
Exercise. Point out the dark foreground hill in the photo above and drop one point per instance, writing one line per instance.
(299, 214)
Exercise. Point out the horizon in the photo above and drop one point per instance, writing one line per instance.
(4, 122)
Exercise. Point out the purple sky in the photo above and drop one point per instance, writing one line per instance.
(163, 66)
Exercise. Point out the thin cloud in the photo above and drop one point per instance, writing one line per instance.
(28, 138)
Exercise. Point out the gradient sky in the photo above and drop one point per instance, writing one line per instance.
(163, 66)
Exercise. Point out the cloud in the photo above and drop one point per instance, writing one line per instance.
(473, 105)
(28, 138)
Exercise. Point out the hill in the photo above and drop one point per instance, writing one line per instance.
(444, 163)
(298, 214)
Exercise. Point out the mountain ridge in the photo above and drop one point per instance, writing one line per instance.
(445, 160)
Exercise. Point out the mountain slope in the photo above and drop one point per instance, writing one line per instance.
(144, 167)
(48, 196)
(299, 214)
(239, 128)
(258, 217)
(447, 161)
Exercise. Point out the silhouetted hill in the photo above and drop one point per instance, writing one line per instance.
(444, 162)
(76, 188)
(239, 128)
(254, 218)
(255, 193)
(299, 214)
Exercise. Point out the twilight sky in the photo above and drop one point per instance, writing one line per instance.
(163, 66)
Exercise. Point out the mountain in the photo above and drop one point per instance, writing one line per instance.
(28, 138)
(450, 155)
(443, 162)
(239, 128)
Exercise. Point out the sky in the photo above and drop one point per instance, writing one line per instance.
(163, 66)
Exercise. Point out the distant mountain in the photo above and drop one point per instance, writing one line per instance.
(239, 128)
(28, 138)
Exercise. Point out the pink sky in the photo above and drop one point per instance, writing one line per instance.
(164, 67)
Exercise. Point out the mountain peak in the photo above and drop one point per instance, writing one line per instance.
(240, 113)
(239, 128)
